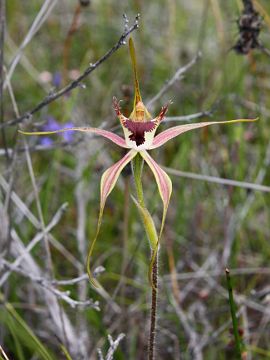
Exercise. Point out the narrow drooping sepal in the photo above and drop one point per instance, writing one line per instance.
(171, 133)
(108, 181)
(163, 181)
(111, 175)
(165, 189)
(107, 134)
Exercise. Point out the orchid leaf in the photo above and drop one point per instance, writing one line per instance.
(171, 133)
(107, 134)
(148, 224)
(165, 189)
(108, 181)
(151, 232)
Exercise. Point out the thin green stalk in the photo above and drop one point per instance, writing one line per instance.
(21, 324)
(238, 343)
(137, 166)
(148, 223)
(66, 353)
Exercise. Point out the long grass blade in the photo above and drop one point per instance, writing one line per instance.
(39, 347)
(238, 342)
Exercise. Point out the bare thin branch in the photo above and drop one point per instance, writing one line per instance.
(3, 353)
(76, 83)
(61, 295)
(174, 78)
(217, 273)
(113, 346)
(187, 118)
(39, 236)
(218, 180)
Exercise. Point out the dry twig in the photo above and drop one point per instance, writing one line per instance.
(78, 82)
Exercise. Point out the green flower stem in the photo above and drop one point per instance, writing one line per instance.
(137, 167)
(148, 223)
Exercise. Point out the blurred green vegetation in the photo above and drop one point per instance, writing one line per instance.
(202, 218)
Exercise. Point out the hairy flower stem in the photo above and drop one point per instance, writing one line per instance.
(137, 166)
(153, 321)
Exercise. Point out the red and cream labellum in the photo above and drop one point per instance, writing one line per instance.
(139, 123)
(139, 128)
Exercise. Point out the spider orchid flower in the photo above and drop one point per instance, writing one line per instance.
(139, 137)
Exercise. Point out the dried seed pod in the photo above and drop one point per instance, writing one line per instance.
(249, 25)
(84, 2)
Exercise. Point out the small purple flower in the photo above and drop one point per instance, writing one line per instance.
(46, 141)
(51, 124)
(68, 136)
(57, 78)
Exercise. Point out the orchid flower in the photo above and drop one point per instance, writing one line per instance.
(139, 137)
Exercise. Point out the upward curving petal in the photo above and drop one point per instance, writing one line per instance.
(162, 113)
(117, 109)
(171, 133)
(107, 134)
(108, 181)
(165, 189)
